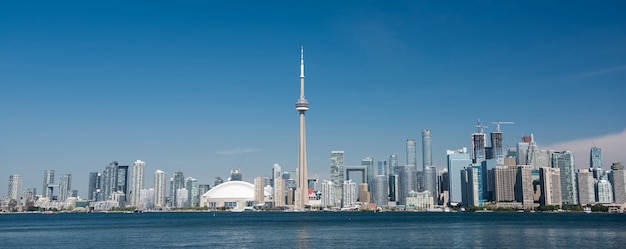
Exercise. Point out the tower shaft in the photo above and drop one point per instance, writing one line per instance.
(302, 189)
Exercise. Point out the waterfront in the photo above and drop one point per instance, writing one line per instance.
(313, 230)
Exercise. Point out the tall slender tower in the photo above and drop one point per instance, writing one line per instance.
(302, 192)
(137, 183)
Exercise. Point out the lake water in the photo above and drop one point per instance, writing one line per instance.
(313, 230)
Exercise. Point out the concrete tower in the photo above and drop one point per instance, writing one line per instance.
(137, 183)
(302, 192)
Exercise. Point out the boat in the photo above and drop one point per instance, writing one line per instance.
(587, 210)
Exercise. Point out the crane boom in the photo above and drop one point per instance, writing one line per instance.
(498, 123)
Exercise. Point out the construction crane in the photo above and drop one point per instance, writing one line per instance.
(480, 127)
(498, 123)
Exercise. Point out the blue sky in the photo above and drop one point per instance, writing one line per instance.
(203, 87)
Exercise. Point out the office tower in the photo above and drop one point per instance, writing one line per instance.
(122, 180)
(203, 188)
(618, 181)
(327, 194)
(427, 154)
(429, 176)
(564, 161)
(349, 193)
(382, 168)
(585, 184)
(457, 161)
(48, 182)
(15, 187)
(336, 175)
(604, 191)
(364, 193)
(368, 162)
(302, 105)
(442, 185)
(496, 146)
(108, 180)
(393, 187)
(176, 182)
(94, 186)
(259, 191)
(550, 180)
(137, 183)
(471, 186)
(393, 162)
(380, 192)
(504, 181)
(218, 181)
(406, 183)
(235, 175)
(524, 186)
(191, 184)
(479, 142)
(181, 196)
(147, 198)
(65, 185)
(159, 188)
(595, 158)
(279, 186)
(411, 153)
(522, 155)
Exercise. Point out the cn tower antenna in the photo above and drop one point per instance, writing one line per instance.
(302, 62)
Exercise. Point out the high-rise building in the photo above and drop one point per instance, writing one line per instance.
(550, 181)
(604, 191)
(94, 186)
(393, 162)
(393, 187)
(48, 182)
(522, 154)
(368, 162)
(279, 186)
(327, 193)
(147, 199)
(177, 182)
(457, 161)
(235, 175)
(427, 153)
(406, 183)
(382, 168)
(564, 161)
(524, 186)
(137, 183)
(479, 142)
(159, 188)
(618, 181)
(443, 184)
(218, 181)
(29, 195)
(203, 188)
(364, 193)
(349, 193)
(302, 105)
(193, 197)
(336, 175)
(585, 183)
(471, 186)
(259, 191)
(15, 187)
(65, 185)
(497, 148)
(429, 184)
(115, 178)
(504, 180)
(181, 197)
(411, 153)
(379, 192)
(595, 158)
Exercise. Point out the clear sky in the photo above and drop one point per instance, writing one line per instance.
(204, 87)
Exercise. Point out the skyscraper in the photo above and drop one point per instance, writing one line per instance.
(94, 186)
(15, 187)
(523, 151)
(406, 183)
(159, 188)
(585, 184)
(427, 154)
(411, 153)
(259, 190)
(65, 185)
(235, 175)
(191, 184)
(48, 181)
(457, 161)
(327, 193)
(429, 183)
(336, 175)
(550, 186)
(349, 193)
(564, 161)
(368, 162)
(137, 183)
(302, 105)
(379, 190)
(279, 186)
(479, 142)
(393, 162)
(176, 182)
(496, 146)
(595, 158)
(604, 191)
(382, 168)
(618, 181)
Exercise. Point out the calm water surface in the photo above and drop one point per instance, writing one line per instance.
(313, 230)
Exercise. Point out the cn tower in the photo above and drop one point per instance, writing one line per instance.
(302, 188)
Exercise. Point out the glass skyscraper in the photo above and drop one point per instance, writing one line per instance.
(427, 153)
(457, 161)
(595, 158)
(411, 153)
(65, 185)
(336, 175)
(564, 161)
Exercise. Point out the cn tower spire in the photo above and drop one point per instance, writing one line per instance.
(302, 105)
(302, 62)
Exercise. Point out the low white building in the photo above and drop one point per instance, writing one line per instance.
(232, 194)
(419, 201)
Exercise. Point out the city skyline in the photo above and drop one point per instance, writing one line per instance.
(87, 84)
